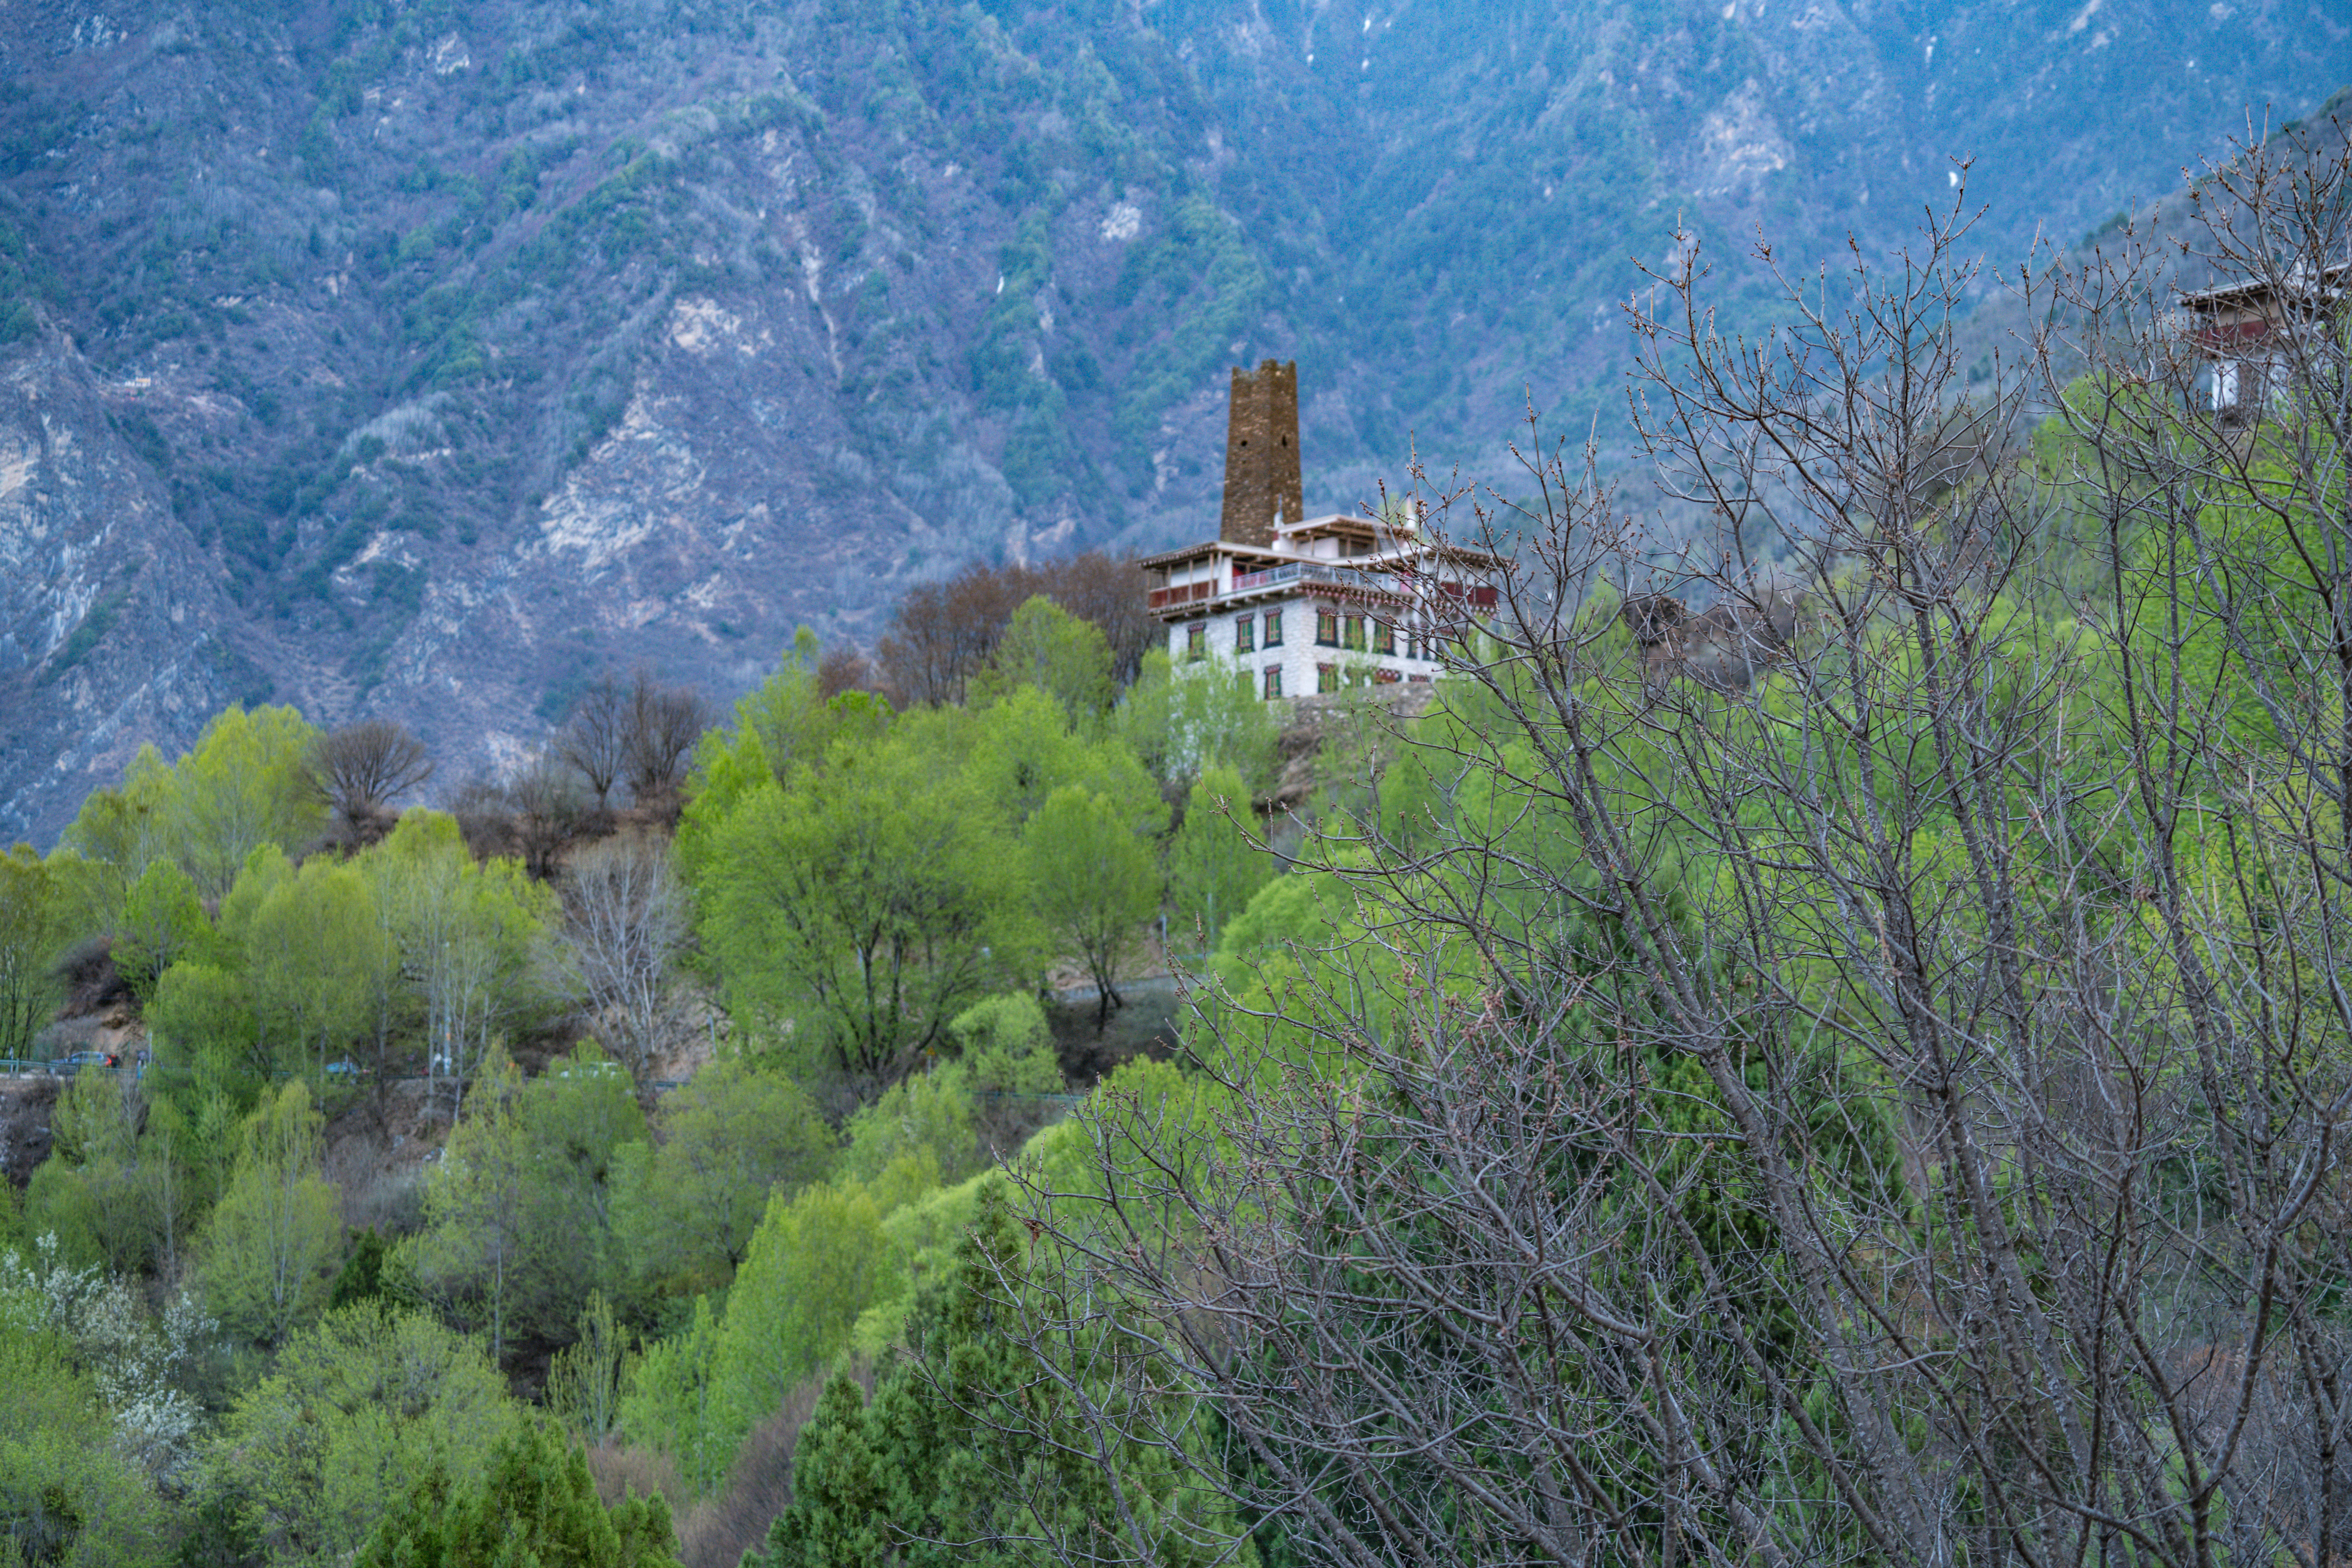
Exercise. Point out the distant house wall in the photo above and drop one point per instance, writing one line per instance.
(1301, 657)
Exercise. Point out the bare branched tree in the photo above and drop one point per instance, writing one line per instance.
(624, 923)
(363, 769)
(843, 669)
(595, 737)
(546, 812)
(944, 632)
(664, 723)
(1886, 1111)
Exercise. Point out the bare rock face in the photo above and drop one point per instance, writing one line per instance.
(26, 1104)
(430, 366)
(113, 628)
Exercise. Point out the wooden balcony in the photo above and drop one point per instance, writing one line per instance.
(1182, 594)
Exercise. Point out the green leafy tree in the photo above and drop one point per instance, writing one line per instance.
(90, 1192)
(243, 784)
(32, 928)
(478, 1249)
(786, 722)
(202, 1026)
(467, 935)
(535, 1506)
(1024, 748)
(118, 832)
(586, 1377)
(313, 1458)
(673, 1405)
(1213, 870)
(815, 1264)
(161, 919)
(928, 1114)
(1183, 721)
(1006, 1046)
(686, 1206)
(276, 1237)
(578, 1118)
(867, 904)
(1095, 881)
(311, 954)
(1046, 646)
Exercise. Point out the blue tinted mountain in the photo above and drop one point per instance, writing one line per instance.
(428, 359)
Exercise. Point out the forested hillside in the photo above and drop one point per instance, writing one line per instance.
(1828, 1050)
(429, 361)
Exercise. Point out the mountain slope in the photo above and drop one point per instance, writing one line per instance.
(428, 358)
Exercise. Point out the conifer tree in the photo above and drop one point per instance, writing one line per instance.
(537, 1507)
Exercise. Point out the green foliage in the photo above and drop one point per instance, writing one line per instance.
(12, 1218)
(1024, 748)
(1213, 870)
(360, 1279)
(578, 1118)
(67, 1497)
(33, 926)
(96, 1193)
(276, 1237)
(466, 934)
(1208, 714)
(783, 722)
(674, 1403)
(202, 1023)
(535, 1506)
(967, 1454)
(685, 1206)
(1095, 881)
(926, 1115)
(815, 1264)
(113, 838)
(1046, 646)
(161, 919)
(585, 1379)
(864, 904)
(479, 1247)
(311, 948)
(1006, 1046)
(314, 1456)
(242, 785)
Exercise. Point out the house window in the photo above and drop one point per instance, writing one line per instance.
(1196, 640)
(1355, 633)
(1272, 682)
(1327, 678)
(1327, 629)
(1273, 628)
(1384, 676)
(1384, 638)
(1245, 634)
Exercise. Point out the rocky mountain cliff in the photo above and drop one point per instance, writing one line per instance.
(428, 358)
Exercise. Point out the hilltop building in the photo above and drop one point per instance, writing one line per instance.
(2244, 329)
(1310, 603)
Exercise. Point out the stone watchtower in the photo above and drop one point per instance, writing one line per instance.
(1261, 483)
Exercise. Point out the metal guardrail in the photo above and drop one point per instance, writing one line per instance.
(48, 1067)
(1311, 571)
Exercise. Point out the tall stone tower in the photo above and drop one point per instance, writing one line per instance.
(1262, 480)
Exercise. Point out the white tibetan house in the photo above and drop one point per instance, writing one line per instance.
(1315, 603)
